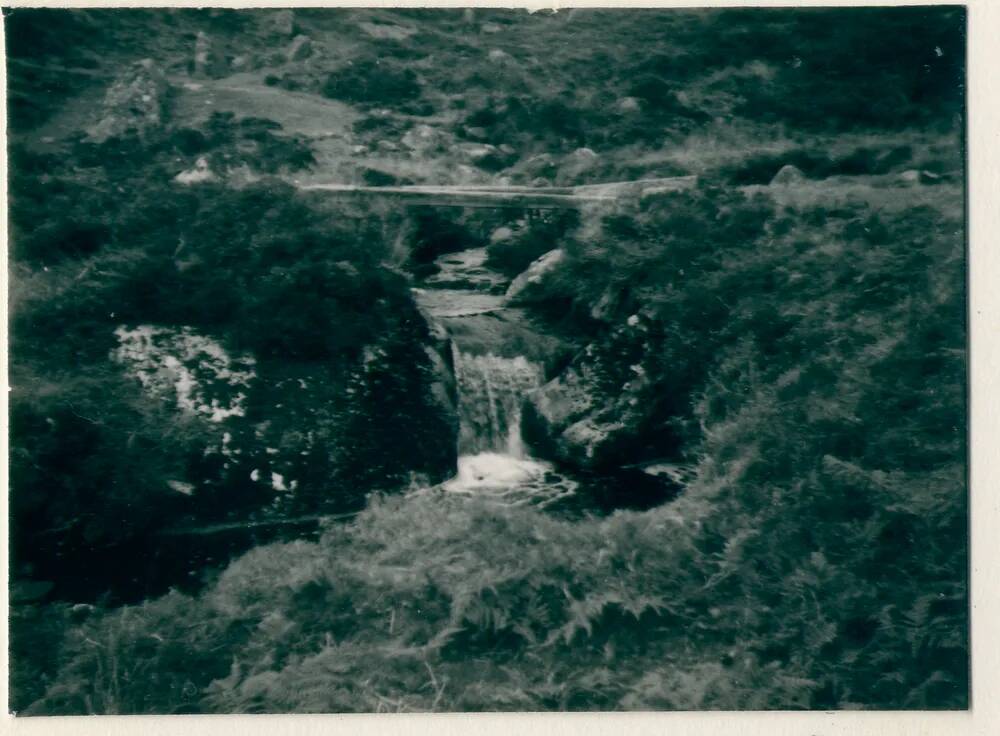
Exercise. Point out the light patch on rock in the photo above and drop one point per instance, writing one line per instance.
(281, 23)
(194, 370)
(629, 104)
(788, 174)
(386, 30)
(501, 234)
(278, 482)
(201, 173)
(589, 434)
(538, 272)
(181, 487)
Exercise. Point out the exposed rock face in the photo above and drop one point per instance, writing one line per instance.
(199, 174)
(286, 428)
(529, 285)
(205, 62)
(589, 415)
(137, 100)
(425, 138)
(572, 420)
(281, 23)
(577, 163)
(788, 174)
(301, 48)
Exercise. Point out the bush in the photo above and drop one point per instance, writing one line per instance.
(513, 255)
(372, 81)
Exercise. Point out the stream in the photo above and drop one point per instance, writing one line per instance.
(498, 356)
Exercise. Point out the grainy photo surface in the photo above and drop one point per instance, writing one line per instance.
(379, 360)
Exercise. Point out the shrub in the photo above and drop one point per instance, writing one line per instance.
(372, 81)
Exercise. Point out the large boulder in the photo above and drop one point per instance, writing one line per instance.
(200, 173)
(591, 418)
(788, 175)
(280, 23)
(576, 164)
(530, 285)
(137, 100)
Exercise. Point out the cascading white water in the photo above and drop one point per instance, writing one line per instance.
(491, 454)
(490, 391)
(492, 459)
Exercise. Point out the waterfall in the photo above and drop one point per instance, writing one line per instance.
(490, 391)
(492, 460)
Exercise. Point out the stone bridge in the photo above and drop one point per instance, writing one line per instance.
(536, 198)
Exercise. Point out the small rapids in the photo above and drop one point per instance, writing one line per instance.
(492, 459)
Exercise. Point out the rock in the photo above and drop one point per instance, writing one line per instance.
(497, 56)
(199, 174)
(181, 486)
(205, 61)
(565, 399)
(475, 151)
(507, 149)
(604, 308)
(788, 174)
(574, 420)
(424, 138)
(476, 132)
(578, 162)
(281, 23)
(528, 286)
(491, 28)
(629, 104)
(583, 441)
(911, 176)
(930, 177)
(387, 146)
(301, 48)
(239, 63)
(388, 31)
(501, 234)
(136, 100)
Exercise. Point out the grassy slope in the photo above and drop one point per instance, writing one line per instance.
(813, 560)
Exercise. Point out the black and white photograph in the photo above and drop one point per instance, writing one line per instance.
(408, 360)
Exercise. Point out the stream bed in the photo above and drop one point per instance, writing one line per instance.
(497, 353)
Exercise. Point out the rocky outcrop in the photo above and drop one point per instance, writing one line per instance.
(589, 416)
(199, 174)
(530, 285)
(280, 23)
(787, 175)
(205, 62)
(137, 100)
